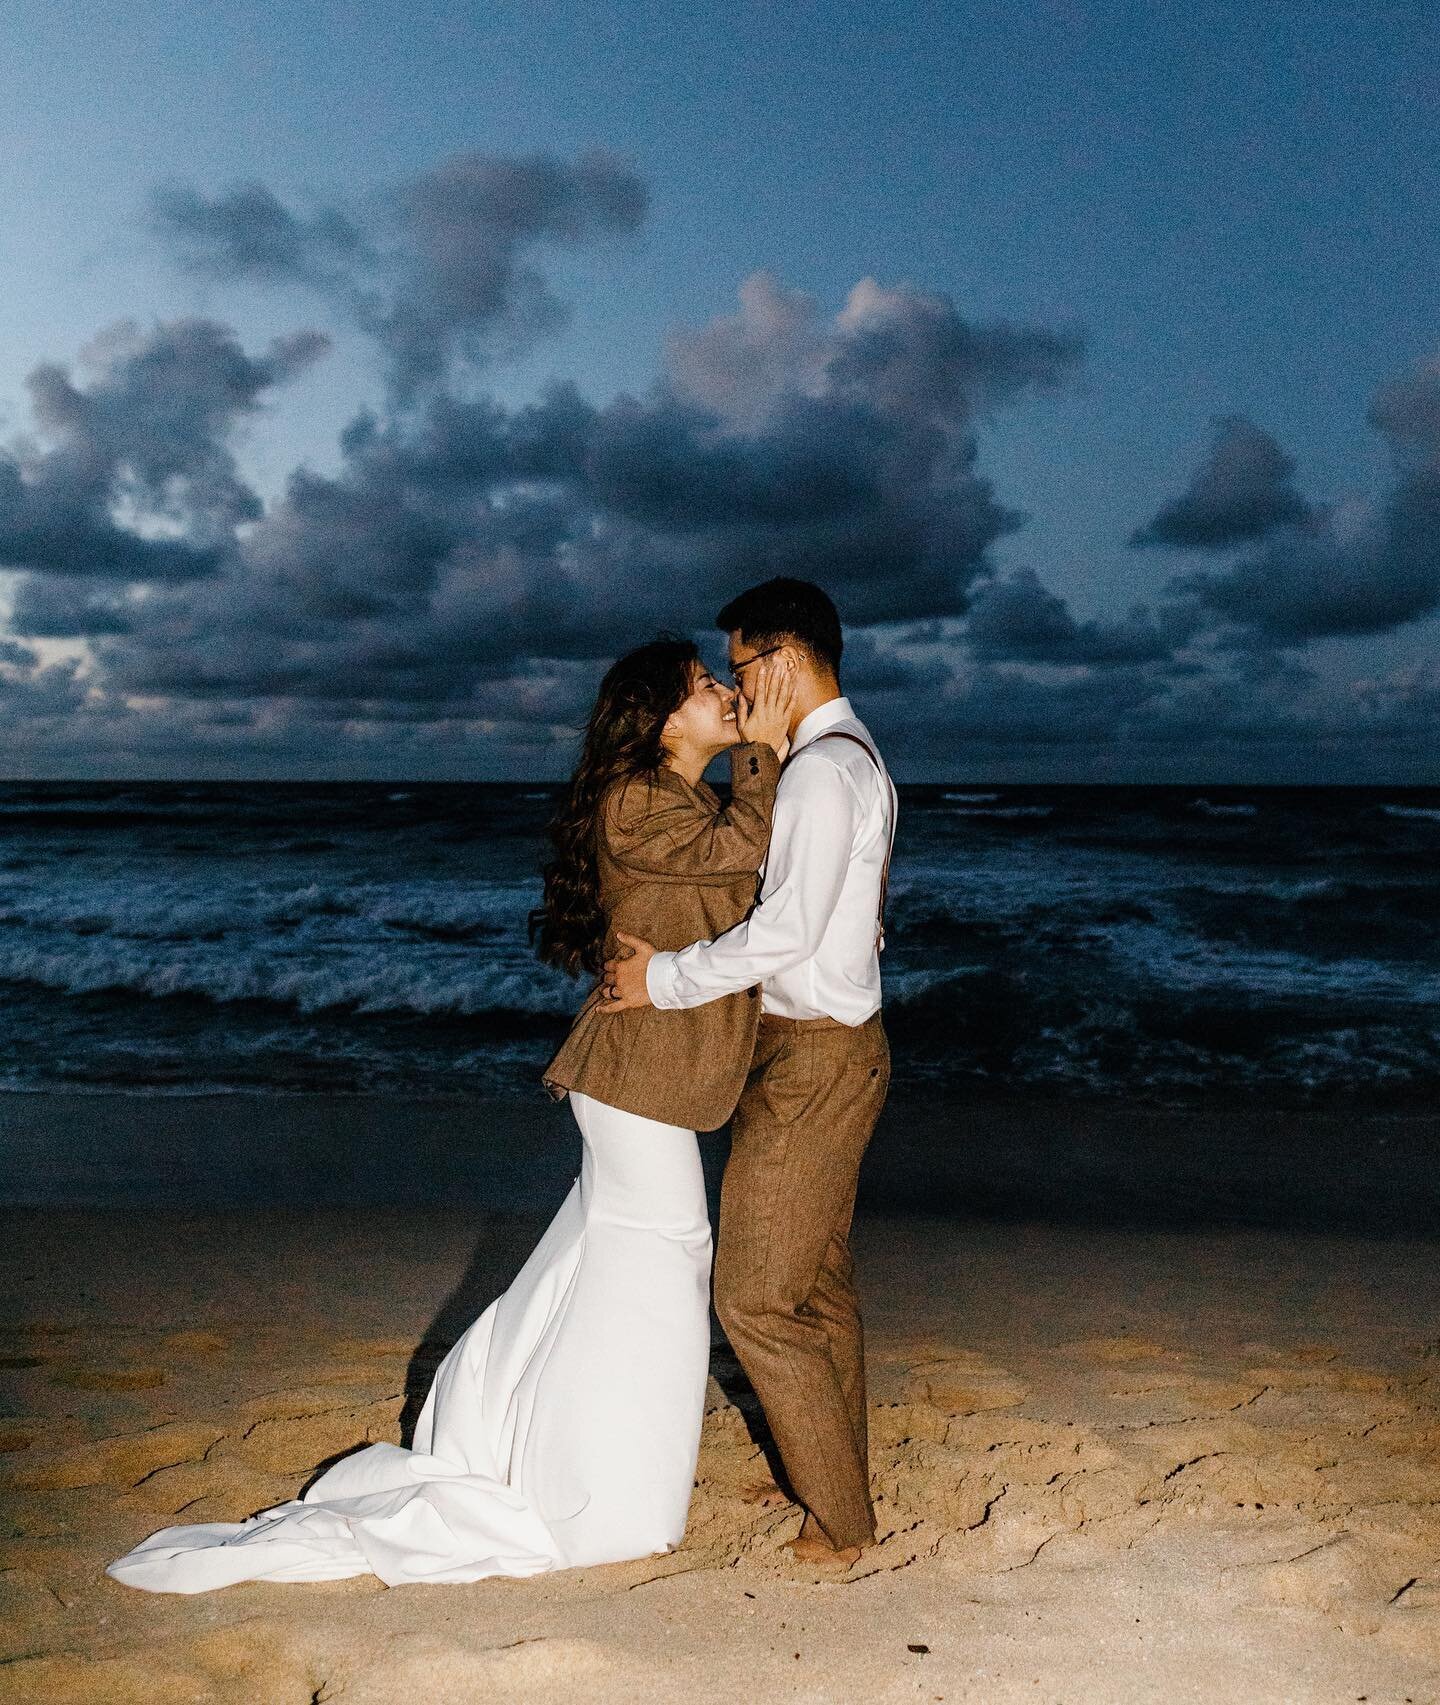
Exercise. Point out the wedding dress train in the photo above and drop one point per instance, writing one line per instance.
(563, 1428)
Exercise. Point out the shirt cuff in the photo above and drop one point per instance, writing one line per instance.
(660, 981)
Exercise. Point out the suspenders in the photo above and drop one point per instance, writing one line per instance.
(869, 750)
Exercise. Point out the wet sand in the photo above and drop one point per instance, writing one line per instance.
(993, 1156)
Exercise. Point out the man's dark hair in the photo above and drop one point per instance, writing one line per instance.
(780, 610)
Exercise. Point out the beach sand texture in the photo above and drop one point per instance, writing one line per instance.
(1109, 1466)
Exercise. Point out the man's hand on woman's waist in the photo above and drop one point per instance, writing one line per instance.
(623, 982)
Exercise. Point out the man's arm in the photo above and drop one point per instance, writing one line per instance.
(816, 813)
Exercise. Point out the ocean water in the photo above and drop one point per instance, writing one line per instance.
(1168, 943)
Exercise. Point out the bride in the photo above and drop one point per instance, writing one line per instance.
(563, 1428)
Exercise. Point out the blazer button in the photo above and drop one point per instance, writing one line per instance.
(752, 993)
(754, 766)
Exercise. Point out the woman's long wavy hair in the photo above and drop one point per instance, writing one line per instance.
(622, 739)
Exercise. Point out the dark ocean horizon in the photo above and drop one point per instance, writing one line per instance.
(1161, 942)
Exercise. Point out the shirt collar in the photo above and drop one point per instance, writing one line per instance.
(822, 718)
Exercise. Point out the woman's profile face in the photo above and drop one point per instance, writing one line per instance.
(706, 720)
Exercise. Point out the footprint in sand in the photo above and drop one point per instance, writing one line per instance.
(1123, 1350)
(969, 1390)
(109, 1379)
(1170, 1397)
(195, 1343)
(12, 1439)
(361, 1376)
(120, 1461)
(963, 1383)
(214, 1488)
(15, 1363)
(297, 1439)
(1310, 1354)
(1350, 1577)
(345, 1348)
(27, 1601)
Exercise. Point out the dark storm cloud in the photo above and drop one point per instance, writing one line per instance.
(246, 233)
(1406, 412)
(871, 667)
(1236, 717)
(1243, 490)
(457, 582)
(147, 440)
(842, 450)
(1017, 619)
(909, 352)
(944, 712)
(904, 351)
(1012, 707)
(46, 607)
(438, 269)
(54, 694)
(1344, 575)
(1405, 703)
(462, 544)
(1348, 569)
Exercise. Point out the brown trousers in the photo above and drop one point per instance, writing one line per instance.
(783, 1272)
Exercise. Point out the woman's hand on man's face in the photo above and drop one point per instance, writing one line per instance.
(764, 717)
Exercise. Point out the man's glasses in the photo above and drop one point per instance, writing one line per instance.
(738, 669)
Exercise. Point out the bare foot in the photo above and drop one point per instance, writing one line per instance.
(819, 1552)
(765, 1493)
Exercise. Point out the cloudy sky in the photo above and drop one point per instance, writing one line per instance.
(370, 376)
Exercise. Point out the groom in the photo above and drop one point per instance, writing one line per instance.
(783, 1272)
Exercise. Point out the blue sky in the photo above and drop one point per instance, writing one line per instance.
(1237, 208)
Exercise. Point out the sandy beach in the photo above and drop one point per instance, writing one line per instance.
(1111, 1464)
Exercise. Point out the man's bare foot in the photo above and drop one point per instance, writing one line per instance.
(765, 1493)
(820, 1552)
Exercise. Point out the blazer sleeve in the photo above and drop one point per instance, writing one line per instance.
(668, 834)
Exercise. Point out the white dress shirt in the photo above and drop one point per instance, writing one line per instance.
(810, 941)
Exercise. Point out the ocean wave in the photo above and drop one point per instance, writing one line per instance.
(1182, 962)
(286, 911)
(1002, 811)
(175, 912)
(1211, 808)
(362, 983)
(1244, 890)
(1324, 919)
(304, 845)
(1413, 813)
(134, 916)
(1104, 940)
(1000, 1027)
(120, 815)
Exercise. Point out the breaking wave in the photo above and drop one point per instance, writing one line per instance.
(1091, 941)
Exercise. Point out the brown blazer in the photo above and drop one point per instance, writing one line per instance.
(676, 866)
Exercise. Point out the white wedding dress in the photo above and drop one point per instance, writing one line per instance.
(562, 1429)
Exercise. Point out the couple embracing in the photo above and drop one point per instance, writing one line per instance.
(563, 1427)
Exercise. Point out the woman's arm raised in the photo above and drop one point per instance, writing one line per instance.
(669, 832)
